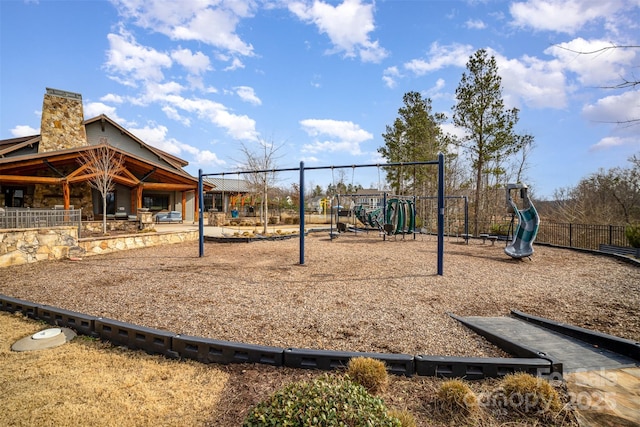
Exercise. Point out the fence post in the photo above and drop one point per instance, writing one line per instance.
(610, 234)
(570, 235)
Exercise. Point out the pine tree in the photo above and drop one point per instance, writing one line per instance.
(414, 136)
(489, 138)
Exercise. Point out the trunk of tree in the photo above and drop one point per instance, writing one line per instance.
(265, 210)
(104, 213)
(477, 197)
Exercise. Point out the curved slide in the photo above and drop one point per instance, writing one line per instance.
(528, 224)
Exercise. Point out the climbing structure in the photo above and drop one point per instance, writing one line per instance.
(398, 216)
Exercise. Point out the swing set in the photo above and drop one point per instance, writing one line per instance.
(302, 169)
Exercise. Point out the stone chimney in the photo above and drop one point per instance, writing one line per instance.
(62, 124)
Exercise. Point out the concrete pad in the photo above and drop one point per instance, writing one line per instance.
(47, 338)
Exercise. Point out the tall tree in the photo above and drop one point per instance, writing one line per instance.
(262, 162)
(101, 164)
(414, 136)
(489, 126)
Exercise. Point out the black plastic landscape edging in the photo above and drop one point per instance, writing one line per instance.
(398, 364)
(618, 345)
(205, 350)
(512, 347)
(475, 368)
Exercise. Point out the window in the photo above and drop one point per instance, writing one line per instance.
(156, 202)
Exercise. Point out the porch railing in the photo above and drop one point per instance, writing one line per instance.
(39, 218)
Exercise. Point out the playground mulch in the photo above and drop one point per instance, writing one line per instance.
(355, 293)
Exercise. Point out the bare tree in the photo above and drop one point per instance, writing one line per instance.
(101, 164)
(264, 160)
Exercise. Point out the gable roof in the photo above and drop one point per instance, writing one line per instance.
(169, 158)
(229, 185)
(10, 145)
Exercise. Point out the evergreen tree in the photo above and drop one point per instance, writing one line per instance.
(489, 138)
(414, 136)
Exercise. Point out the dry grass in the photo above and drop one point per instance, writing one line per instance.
(86, 383)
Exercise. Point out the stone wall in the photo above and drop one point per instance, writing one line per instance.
(23, 246)
(28, 245)
(105, 245)
(62, 123)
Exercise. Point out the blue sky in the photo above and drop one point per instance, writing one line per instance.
(323, 78)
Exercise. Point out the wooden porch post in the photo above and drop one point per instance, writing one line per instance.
(138, 197)
(65, 195)
(184, 204)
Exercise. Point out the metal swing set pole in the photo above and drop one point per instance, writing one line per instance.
(302, 169)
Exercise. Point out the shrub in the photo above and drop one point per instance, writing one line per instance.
(327, 401)
(500, 229)
(405, 418)
(369, 373)
(530, 395)
(633, 235)
(456, 397)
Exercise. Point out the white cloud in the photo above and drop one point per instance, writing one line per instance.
(195, 63)
(212, 22)
(475, 24)
(173, 114)
(24, 130)
(455, 55)
(247, 94)
(597, 65)
(235, 64)
(94, 109)
(341, 136)
(615, 141)
(564, 16)
(434, 92)
(390, 76)
(129, 61)
(113, 98)
(614, 108)
(526, 80)
(347, 25)
(156, 135)
(534, 82)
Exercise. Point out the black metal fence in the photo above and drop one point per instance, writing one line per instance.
(39, 218)
(580, 236)
(583, 236)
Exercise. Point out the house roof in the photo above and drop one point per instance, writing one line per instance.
(169, 158)
(228, 185)
(167, 170)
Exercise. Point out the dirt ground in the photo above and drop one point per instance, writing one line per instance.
(354, 293)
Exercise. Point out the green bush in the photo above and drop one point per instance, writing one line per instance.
(325, 401)
(633, 235)
(500, 229)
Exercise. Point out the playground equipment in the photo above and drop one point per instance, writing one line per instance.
(528, 223)
(302, 169)
(395, 215)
